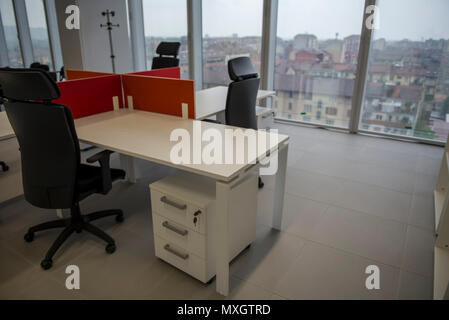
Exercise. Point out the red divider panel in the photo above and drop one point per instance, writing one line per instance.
(82, 74)
(172, 73)
(86, 97)
(161, 95)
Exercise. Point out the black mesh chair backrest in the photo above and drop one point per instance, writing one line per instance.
(168, 55)
(242, 94)
(46, 134)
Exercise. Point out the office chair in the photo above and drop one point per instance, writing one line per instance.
(242, 96)
(61, 74)
(168, 55)
(52, 172)
(46, 68)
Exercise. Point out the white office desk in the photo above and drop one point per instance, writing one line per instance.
(212, 102)
(146, 135)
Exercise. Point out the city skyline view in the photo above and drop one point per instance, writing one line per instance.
(398, 19)
(316, 59)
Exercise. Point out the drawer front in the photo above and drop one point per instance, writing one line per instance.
(180, 258)
(183, 237)
(265, 122)
(179, 211)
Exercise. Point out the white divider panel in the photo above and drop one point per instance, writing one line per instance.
(115, 103)
(185, 111)
(130, 103)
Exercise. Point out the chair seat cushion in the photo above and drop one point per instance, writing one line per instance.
(90, 179)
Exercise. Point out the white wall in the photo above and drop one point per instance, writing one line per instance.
(95, 42)
(72, 55)
(88, 48)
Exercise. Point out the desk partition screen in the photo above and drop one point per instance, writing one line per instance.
(82, 74)
(160, 95)
(172, 73)
(86, 97)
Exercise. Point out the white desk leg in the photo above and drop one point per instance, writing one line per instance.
(221, 117)
(59, 213)
(222, 240)
(279, 189)
(127, 164)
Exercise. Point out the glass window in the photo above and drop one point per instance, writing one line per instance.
(39, 33)
(166, 21)
(407, 89)
(11, 34)
(231, 28)
(316, 54)
(331, 111)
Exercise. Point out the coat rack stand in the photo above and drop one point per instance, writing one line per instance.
(109, 25)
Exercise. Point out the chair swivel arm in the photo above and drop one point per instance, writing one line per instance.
(103, 158)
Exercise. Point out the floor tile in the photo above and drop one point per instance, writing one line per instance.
(419, 250)
(268, 258)
(366, 235)
(321, 272)
(422, 212)
(374, 200)
(415, 287)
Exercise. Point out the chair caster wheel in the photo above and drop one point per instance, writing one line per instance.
(110, 248)
(119, 218)
(29, 236)
(46, 264)
(261, 184)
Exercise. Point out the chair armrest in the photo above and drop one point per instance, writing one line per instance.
(105, 155)
(103, 158)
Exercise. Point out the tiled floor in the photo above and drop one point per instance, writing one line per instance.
(352, 201)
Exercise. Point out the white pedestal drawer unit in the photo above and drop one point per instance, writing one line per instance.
(183, 211)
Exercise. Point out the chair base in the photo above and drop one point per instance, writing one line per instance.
(76, 223)
(4, 166)
(261, 183)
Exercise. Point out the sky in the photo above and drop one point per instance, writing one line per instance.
(399, 19)
(35, 12)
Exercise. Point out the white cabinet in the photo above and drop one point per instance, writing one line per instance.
(441, 271)
(183, 211)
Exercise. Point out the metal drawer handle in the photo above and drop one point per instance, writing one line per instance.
(167, 225)
(173, 204)
(183, 256)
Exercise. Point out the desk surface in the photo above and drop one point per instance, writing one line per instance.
(211, 101)
(6, 130)
(146, 135)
